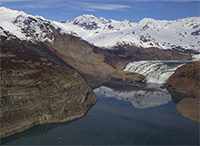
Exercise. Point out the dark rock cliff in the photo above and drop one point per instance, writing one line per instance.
(70, 51)
(36, 91)
(79, 54)
(121, 55)
(186, 79)
(184, 87)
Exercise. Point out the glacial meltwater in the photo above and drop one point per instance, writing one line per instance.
(121, 116)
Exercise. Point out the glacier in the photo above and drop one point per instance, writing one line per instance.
(155, 71)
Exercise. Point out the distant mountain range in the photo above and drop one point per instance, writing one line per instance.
(97, 47)
(182, 33)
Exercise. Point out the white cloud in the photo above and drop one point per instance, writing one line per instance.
(36, 6)
(7, 1)
(95, 6)
(87, 5)
(145, 0)
(163, 0)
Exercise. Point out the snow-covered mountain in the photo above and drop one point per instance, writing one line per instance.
(22, 25)
(28, 27)
(140, 99)
(51, 40)
(184, 33)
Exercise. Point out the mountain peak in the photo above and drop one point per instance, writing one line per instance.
(89, 22)
(88, 16)
(146, 21)
(163, 34)
(8, 14)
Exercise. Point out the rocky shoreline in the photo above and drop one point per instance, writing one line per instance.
(37, 91)
(184, 87)
(186, 79)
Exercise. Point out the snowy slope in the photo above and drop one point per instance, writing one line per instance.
(146, 33)
(140, 99)
(28, 27)
(105, 33)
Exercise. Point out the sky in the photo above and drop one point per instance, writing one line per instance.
(133, 10)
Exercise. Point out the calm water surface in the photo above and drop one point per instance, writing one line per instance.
(120, 117)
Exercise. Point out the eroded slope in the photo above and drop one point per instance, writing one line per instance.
(36, 91)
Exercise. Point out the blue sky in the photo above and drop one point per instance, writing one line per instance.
(133, 10)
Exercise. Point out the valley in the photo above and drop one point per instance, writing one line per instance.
(57, 72)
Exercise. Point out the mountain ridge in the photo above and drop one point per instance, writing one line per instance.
(45, 38)
(107, 33)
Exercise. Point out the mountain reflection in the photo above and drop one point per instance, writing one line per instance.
(140, 98)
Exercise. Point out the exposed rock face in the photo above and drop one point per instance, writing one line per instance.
(36, 91)
(39, 48)
(68, 49)
(122, 55)
(186, 79)
(79, 54)
(60, 44)
(127, 77)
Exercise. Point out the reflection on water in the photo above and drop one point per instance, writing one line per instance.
(117, 122)
(189, 107)
(140, 98)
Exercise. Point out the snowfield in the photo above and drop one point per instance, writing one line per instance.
(182, 33)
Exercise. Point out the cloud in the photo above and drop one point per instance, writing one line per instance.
(99, 6)
(163, 0)
(87, 5)
(37, 6)
(145, 0)
(7, 1)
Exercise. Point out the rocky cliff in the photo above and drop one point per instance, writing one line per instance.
(121, 55)
(68, 50)
(79, 54)
(36, 91)
(57, 42)
(186, 79)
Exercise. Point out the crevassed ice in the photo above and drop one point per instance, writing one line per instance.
(155, 71)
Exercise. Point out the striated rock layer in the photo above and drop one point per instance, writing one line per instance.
(119, 57)
(186, 79)
(71, 51)
(36, 91)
